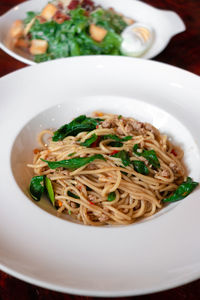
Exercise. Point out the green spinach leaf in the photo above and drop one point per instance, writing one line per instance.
(140, 167)
(116, 138)
(182, 191)
(124, 157)
(37, 187)
(81, 123)
(72, 195)
(73, 163)
(89, 141)
(111, 196)
(150, 155)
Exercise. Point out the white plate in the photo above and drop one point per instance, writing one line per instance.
(165, 23)
(156, 254)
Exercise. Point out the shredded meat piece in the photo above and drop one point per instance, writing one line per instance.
(174, 166)
(164, 173)
(128, 128)
(107, 123)
(102, 178)
(103, 218)
(91, 167)
(120, 131)
(136, 125)
(73, 204)
(92, 198)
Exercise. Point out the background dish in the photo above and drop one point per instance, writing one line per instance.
(65, 249)
(165, 23)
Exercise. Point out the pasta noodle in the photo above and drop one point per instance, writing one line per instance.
(112, 190)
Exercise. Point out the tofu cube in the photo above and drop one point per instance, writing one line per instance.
(97, 33)
(49, 11)
(38, 47)
(17, 29)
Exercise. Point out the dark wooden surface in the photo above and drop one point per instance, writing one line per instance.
(184, 52)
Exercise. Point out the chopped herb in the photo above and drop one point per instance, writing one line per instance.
(72, 195)
(182, 191)
(119, 117)
(71, 154)
(37, 187)
(73, 163)
(89, 141)
(116, 138)
(150, 155)
(80, 124)
(140, 167)
(111, 196)
(69, 212)
(124, 157)
(115, 144)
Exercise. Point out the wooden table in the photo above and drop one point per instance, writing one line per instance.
(184, 52)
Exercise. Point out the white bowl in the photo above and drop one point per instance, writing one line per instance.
(165, 23)
(159, 253)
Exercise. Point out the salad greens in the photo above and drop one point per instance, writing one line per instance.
(150, 155)
(73, 163)
(182, 191)
(81, 123)
(72, 36)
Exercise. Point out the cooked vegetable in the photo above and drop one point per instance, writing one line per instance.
(49, 189)
(182, 191)
(116, 138)
(111, 196)
(124, 157)
(89, 141)
(140, 167)
(72, 195)
(37, 187)
(150, 155)
(73, 163)
(115, 144)
(71, 154)
(82, 123)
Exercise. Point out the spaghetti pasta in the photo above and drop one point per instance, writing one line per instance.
(133, 168)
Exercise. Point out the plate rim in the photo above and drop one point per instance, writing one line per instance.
(45, 284)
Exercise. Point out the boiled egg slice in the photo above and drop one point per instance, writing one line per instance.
(136, 39)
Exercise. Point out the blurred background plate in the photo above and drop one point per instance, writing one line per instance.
(165, 23)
